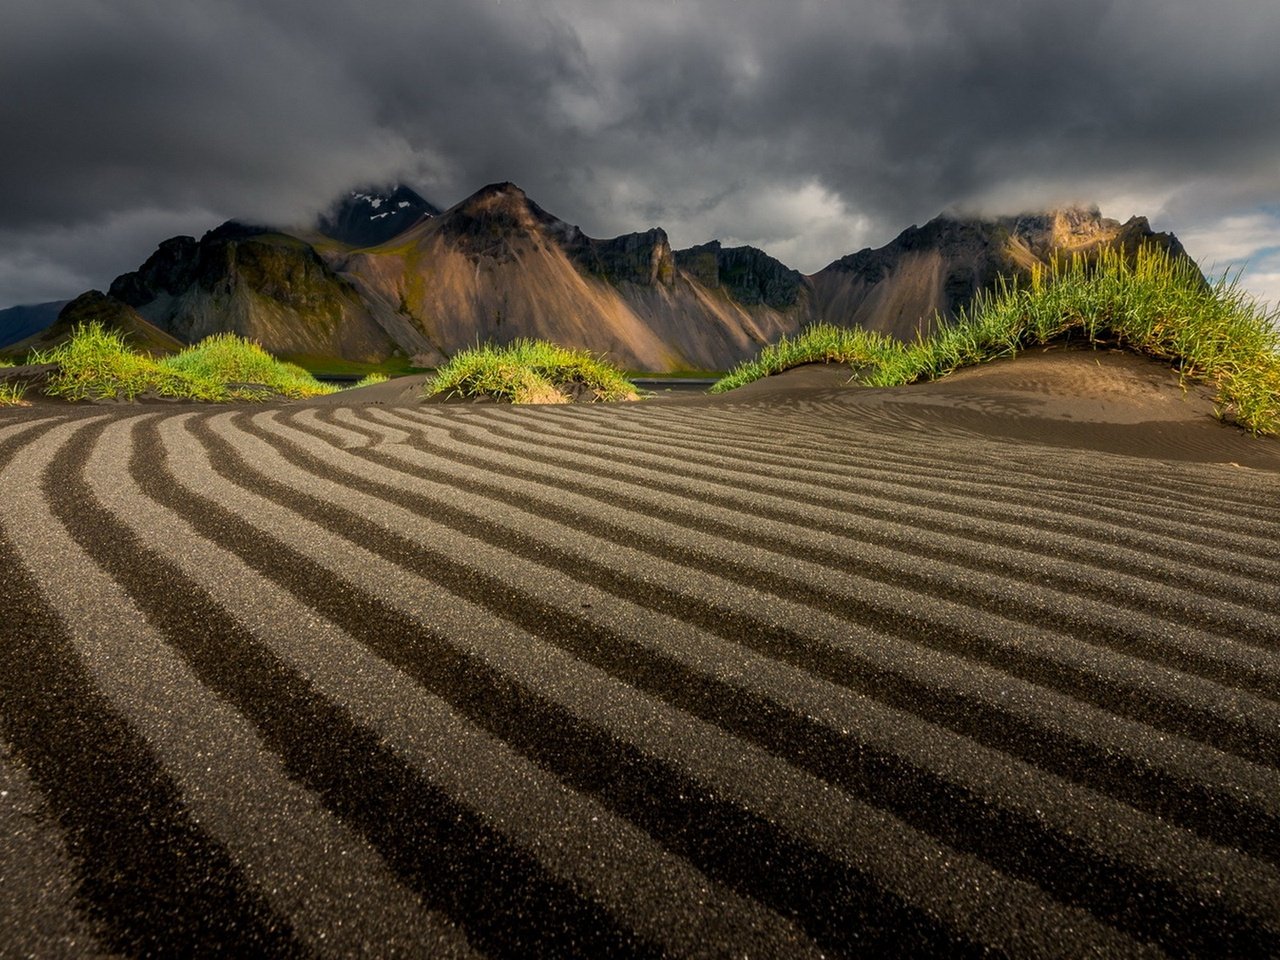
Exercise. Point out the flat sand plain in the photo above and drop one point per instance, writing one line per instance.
(991, 664)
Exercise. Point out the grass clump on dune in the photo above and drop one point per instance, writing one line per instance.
(11, 393)
(369, 380)
(531, 371)
(1155, 304)
(244, 368)
(820, 343)
(97, 364)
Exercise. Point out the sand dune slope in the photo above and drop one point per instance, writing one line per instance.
(804, 671)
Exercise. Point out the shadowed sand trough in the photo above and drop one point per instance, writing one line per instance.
(991, 663)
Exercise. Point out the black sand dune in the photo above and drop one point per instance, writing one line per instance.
(990, 665)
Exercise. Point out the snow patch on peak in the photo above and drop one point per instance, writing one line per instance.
(367, 216)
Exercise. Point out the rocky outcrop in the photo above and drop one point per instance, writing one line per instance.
(749, 276)
(640, 258)
(167, 273)
(490, 221)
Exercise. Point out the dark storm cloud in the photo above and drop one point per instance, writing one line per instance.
(810, 128)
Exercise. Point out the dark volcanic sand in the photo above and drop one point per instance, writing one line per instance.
(988, 664)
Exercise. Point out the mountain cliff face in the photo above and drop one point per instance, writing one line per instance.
(938, 268)
(264, 285)
(749, 276)
(497, 267)
(639, 258)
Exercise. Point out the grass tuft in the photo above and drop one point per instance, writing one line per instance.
(820, 343)
(369, 380)
(245, 369)
(97, 364)
(11, 394)
(1155, 304)
(531, 371)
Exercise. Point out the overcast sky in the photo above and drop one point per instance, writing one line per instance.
(810, 128)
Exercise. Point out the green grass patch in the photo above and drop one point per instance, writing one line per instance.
(241, 365)
(1154, 304)
(11, 394)
(369, 380)
(97, 364)
(531, 371)
(820, 343)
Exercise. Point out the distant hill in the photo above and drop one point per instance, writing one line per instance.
(112, 314)
(18, 323)
(368, 217)
(424, 284)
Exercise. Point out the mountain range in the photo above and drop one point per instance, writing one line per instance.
(385, 274)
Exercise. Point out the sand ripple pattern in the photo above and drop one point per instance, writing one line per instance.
(695, 680)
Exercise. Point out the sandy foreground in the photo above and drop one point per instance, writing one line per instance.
(991, 664)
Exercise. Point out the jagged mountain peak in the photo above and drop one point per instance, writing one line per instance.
(501, 217)
(499, 206)
(492, 191)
